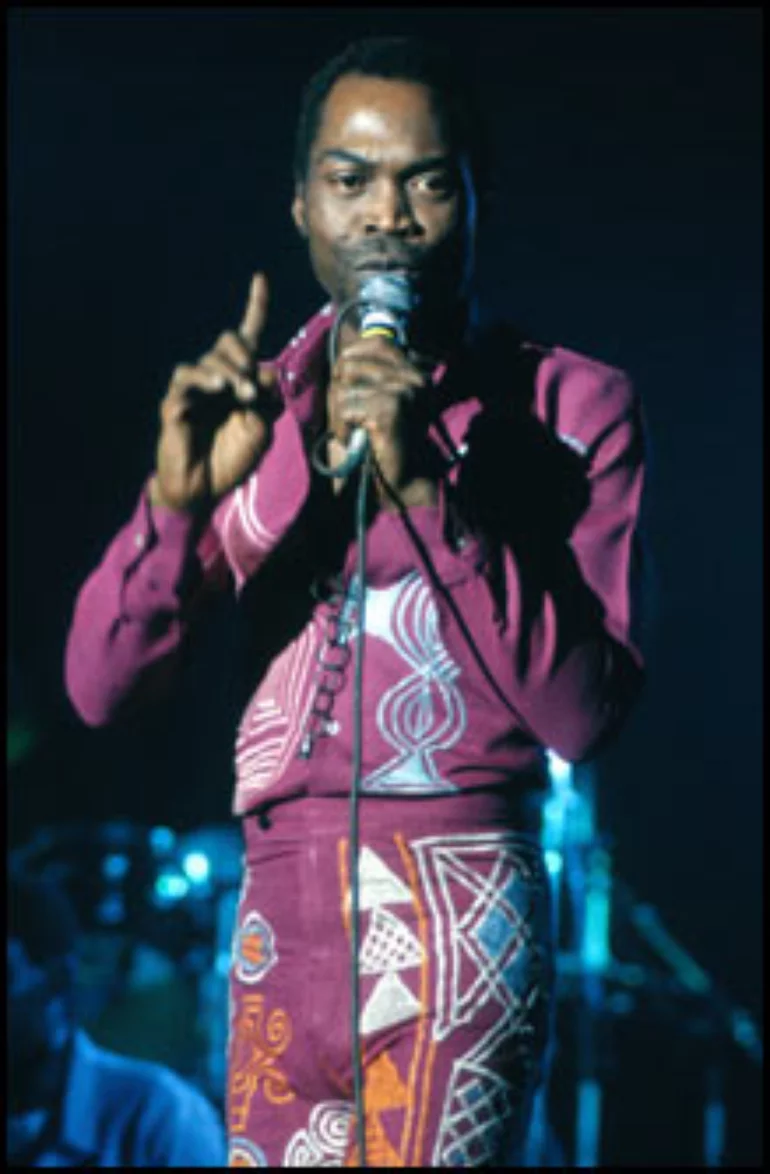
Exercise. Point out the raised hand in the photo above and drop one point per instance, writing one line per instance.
(216, 418)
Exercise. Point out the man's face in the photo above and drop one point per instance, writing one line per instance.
(384, 190)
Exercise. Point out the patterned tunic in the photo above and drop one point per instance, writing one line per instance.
(497, 624)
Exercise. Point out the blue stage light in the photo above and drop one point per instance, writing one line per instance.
(197, 867)
(559, 770)
(170, 887)
(554, 861)
(162, 840)
(115, 866)
(111, 910)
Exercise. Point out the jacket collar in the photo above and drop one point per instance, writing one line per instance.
(302, 365)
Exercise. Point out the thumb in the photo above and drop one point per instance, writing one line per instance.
(253, 321)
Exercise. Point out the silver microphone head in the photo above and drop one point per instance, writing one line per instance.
(392, 289)
(387, 300)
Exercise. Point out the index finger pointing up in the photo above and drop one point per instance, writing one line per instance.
(253, 320)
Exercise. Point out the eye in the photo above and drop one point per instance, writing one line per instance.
(348, 181)
(437, 184)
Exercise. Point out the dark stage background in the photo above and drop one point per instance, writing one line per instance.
(150, 155)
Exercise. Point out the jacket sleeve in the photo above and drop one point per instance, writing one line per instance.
(570, 621)
(539, 583)
(132, 613)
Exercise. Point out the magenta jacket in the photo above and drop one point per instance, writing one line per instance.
(486, 642)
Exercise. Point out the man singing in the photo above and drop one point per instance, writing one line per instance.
(493, 619)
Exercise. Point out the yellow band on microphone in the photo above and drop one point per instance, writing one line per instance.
(385, 331)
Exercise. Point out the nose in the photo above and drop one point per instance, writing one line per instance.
(388, 210)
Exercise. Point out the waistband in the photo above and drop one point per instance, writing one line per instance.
(471, 811)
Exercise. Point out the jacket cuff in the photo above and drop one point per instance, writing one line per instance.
(157, 552)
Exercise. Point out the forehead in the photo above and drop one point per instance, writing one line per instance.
(371, 114)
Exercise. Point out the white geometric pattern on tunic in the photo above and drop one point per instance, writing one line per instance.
(275, 717)
(390, 1002)
(378, 884)
(478, 888)
(424, 711)
(389, 945)
(474, 1119)
(243, 528)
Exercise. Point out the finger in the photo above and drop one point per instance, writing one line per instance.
(244, 388)
(385, 356)
(385, 401)
(253, 320)
(354, 411)
(365, 371)
(386, 405)
(232, 348)
(371, 350)
(379, 412)
(388, 396)
(397, 400)
(359, 417)
(189, 376)
(373, 344)
(188, 383)
(267, 377)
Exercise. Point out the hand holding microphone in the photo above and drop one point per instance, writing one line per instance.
(374, 387)
(385, 302)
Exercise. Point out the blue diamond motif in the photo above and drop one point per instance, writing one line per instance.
(515, 973)
(495, 933)
(472, 1093)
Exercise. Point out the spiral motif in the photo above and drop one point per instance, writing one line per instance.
(302, 1154)
(331, 1125)
(258, 1042)
(325, 1141)
(279, 1030)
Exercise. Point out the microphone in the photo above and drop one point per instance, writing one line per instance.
(385, 302)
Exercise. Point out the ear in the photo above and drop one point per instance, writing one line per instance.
(298, 211)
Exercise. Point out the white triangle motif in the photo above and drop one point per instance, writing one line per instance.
(389, 945)
(390, 1002)
(378, 884)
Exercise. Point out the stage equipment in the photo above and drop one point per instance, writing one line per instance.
(663, 987)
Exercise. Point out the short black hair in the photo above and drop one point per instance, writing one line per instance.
(411, 59)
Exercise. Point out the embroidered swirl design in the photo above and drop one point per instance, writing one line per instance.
(258, 1042)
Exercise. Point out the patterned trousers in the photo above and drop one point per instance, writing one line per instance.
(456, 980)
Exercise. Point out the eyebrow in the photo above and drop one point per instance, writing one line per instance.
(429, 163)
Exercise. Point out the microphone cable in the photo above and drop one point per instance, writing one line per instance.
(354, 839)
(360, 457)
